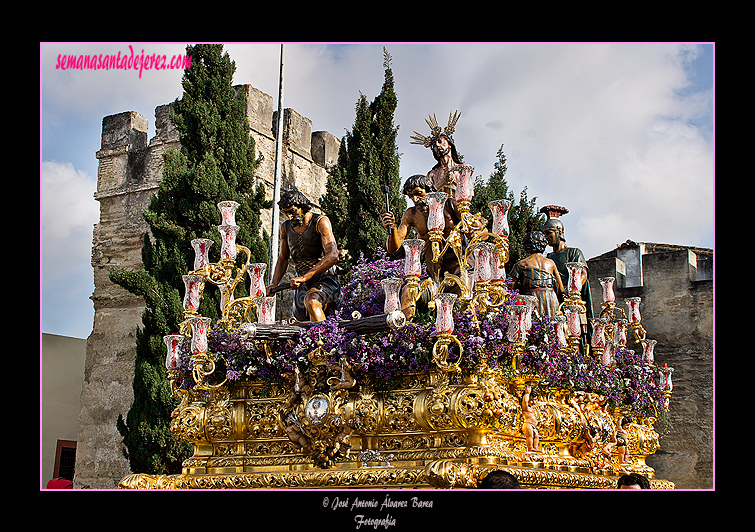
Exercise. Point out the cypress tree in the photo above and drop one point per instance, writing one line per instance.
(385, 136)
(368, 160)
(522, 216)
(216, 162)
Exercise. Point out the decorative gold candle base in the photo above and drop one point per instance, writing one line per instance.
(428, 432)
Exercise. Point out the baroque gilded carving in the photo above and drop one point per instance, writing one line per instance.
(439, 433)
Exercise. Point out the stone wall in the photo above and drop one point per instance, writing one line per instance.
(129, 171)
(676, 287)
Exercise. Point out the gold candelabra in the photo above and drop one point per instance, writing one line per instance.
(226, 276)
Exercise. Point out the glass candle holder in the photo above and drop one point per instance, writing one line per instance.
(517, 317)
(529, 303)
(483, 253)
(608, 357)
(173, 343)
(575, 276)
(257, 278)
(573, 326)
(392, 288)
(634, 309)
(558, 323)
(444, 317)
(228, 212)
(463, 177)
(647, 351)
(265, 309)
(413, 250)
(201, 251)
(500, 209)
(620, 332)
(665, 378)
(199, 329)
(228, 249)
(193, 284)
(436, 201)
(497, 270)
(598, 332)
(607, 284)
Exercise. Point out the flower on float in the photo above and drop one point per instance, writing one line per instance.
(386, 356)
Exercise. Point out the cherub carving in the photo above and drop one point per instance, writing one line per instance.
(622, 440)
(296, 432)
(343, 438)
(299, 388)
(583, 447)
(529, 400)
(347, 379)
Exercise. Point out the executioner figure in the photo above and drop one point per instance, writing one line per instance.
(553, 229)
(415, 188)
(307, 239)
(538, 276)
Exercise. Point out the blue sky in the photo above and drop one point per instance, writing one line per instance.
(622, 134)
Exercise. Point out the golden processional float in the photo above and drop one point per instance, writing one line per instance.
(379, 401)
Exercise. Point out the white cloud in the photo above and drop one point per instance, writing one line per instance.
(69, 213)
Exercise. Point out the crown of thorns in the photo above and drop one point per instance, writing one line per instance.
(435, 130)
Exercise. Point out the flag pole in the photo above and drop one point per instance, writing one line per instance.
(275, 232)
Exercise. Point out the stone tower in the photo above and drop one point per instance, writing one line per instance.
(129, 172)
(676, 287)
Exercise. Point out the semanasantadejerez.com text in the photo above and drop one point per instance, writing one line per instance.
(125, 61)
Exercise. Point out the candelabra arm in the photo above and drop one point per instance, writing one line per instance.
(237, 312)
(489, 295)
(217, 273)
(638, 330)
(204, 366)
(184, 327)
(416, 288)
(451, 279)
(230, 287)
(175, 391)
(440, 352)
(609, 309)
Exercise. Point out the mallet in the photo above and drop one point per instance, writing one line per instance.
(280, 287)
(387, 191)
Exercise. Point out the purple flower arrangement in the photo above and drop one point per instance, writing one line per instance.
(385, 357)
(362, 291)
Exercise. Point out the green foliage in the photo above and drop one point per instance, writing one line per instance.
(368, 160)
(216, 162)
(335, 201)
(495, 188)
(522, 216)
